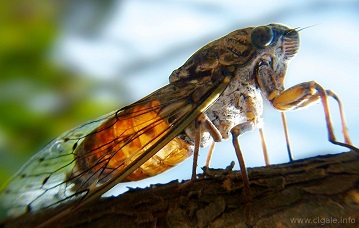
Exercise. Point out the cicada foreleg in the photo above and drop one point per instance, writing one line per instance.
(307, 93)
(342, 117)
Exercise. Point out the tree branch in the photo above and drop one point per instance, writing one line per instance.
(319, 190)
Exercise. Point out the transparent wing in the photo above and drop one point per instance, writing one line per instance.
(132, 143)
(42, 177)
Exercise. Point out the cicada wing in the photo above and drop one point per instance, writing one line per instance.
(91, 159)
(184, 101)
(40, 181)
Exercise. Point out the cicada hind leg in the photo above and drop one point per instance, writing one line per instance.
(203, 123)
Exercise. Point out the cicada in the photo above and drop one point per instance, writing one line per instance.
(215, 94)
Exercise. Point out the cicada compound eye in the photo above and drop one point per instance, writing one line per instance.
(262, 36)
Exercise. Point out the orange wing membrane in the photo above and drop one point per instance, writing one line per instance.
(120, 140)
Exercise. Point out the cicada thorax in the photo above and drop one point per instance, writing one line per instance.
(120, 140)
(234, 49)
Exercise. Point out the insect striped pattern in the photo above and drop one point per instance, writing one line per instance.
(215, 94)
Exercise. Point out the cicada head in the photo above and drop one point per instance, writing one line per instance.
(276, 44)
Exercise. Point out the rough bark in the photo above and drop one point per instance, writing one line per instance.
(319, 190)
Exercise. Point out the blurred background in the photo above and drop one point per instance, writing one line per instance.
(66, 62)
